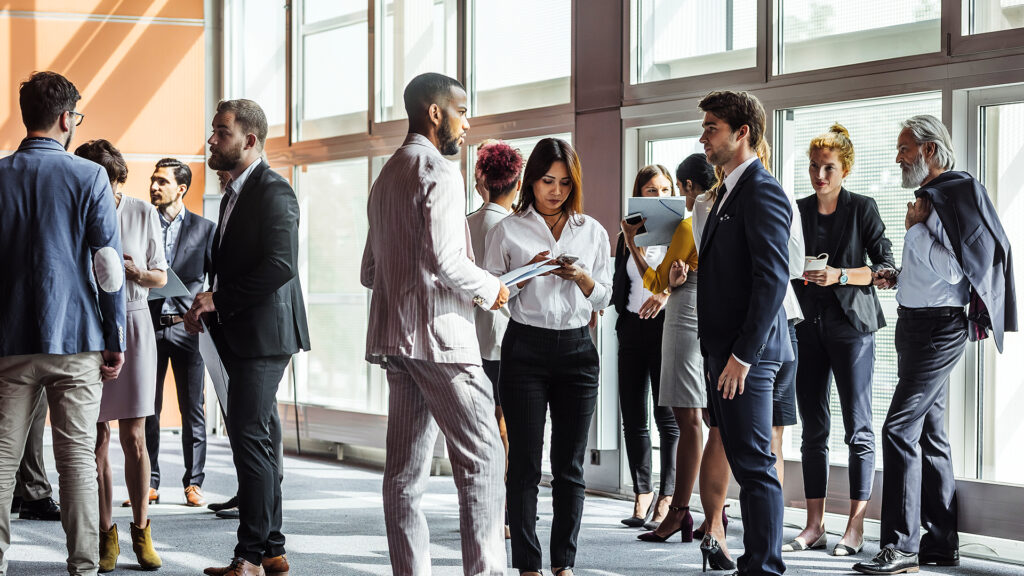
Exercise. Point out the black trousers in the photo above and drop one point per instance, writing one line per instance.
(831, 347)
(639, 378)
(254, 429)
(177, 346)
(919, 488)
(542, 369)
(745, 423)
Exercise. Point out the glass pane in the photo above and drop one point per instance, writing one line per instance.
(257, 57)
(520, 54)
(334, 90)
(320, 10)
(422, 34)
(817, 34)
(874, 126)
(669, 153)
(525, 147)
(1002, 155)
(680, 38)
(982, 16)
(333, 196)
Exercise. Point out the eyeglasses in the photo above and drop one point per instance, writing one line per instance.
(80, 116)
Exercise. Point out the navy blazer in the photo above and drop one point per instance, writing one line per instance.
(859, 232)
(982, 248)
(191, 263)
(744, 269)
(258, 298)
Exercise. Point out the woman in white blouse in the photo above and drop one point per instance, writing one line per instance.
(131, 397)
(548, 359)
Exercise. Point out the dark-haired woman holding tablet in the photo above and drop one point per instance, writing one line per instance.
(548, 359)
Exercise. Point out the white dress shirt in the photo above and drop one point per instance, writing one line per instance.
(638, 294)
(701, 210)
(235, 186)
(931, 276)
(142, 239)
(549, 301)
(490, 324)
(734, 177)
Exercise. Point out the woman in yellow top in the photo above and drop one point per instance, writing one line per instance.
(683, 386)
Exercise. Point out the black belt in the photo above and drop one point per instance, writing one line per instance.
(549, 333)
(937, 312)
(170, 320)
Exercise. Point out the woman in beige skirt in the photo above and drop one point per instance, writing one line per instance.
(131, 397)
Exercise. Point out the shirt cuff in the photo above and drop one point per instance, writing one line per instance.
(489, 294)
(745, 364)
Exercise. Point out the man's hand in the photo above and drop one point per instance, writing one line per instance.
(201, 305)
(917, 212)
(731, 381)
(826, 277)
(653, 305)
(545, 257)
(884, 278)
(502, 298)
(677, 273)
(112, 362)
(131, 271)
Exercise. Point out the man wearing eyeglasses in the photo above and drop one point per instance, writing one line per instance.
(62, 307)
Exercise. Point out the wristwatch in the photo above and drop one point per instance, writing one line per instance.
(843, 278)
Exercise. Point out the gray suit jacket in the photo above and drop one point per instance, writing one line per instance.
(490, 324)
(417, 261)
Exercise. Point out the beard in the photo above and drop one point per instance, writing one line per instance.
(914, 173)
(448, 141)
(225, 159)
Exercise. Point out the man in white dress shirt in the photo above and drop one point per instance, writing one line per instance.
(418, 263)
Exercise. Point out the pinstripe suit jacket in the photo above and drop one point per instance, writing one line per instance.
(418, 263)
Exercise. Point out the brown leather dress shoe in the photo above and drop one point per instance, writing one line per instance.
(238, 567)
(154, 498)
(194, 496)
(276, 566)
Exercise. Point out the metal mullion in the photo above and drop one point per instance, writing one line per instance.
(288, 80)
(371, 67)
(333, 23)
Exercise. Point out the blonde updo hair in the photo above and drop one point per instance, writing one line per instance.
(837, 138)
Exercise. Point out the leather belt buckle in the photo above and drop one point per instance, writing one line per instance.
(168, 320)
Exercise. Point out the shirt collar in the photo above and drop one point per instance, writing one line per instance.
(496, 208)
(734, 176)
(238, 183)
(165, 222)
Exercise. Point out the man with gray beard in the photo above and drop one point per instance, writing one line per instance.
(955, 254)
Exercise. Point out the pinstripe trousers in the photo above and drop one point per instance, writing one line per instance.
(457, 399)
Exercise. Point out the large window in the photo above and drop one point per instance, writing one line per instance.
(982, 16)
(333, 64)
(816, 34)
(681, 38)
(256, 57)
(520, 54)
(414, 36)
(874, 126)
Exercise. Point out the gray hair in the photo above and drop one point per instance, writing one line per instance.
(927, 128)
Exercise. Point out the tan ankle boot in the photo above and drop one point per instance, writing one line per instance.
(109, 549)
(142, 544)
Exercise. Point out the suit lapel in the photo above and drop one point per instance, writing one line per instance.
(810, 224)
(183, 236)
(839, 226)
(716, 214)
(244, 198)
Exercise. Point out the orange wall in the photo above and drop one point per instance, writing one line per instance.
(139, 65)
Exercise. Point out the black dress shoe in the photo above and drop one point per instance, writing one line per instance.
(218, 506)
(939, 557)
(42, 509)
(889, 561)
(228, 513)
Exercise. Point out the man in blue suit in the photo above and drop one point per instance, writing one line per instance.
(744, 269)
(62, 310)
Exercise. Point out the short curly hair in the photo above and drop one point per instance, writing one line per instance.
(500, 166)
(106, 155)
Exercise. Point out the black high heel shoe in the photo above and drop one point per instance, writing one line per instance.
(698, 534)
(637, 521)
(685, 527)
(713, 554)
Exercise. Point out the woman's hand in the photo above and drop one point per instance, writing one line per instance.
(131, 271)
(826, 277)
(677, 273)
(629, 230)
(545, 257)
(575, 273)
(653, 305)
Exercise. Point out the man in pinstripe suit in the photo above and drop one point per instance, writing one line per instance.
(419, 264)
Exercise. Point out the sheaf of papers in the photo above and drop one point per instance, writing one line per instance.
(219, 374)
(815, 263)
(661, 218)
(526, 272)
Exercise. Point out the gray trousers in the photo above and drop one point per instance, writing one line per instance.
(31, 482)
(73, 391)
(457, 399)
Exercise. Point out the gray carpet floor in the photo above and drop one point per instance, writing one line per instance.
(334, 525)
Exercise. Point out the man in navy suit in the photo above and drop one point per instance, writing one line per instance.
(744, 269)
(188, 239)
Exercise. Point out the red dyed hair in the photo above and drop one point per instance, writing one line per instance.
(501, 167)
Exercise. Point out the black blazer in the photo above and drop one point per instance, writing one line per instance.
(861, 233)
(258, 298)
(620, 280)
(744, 269)
(983, 249)
(191, 262)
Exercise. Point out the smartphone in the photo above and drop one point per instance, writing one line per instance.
(634, 219)
(567, 259)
